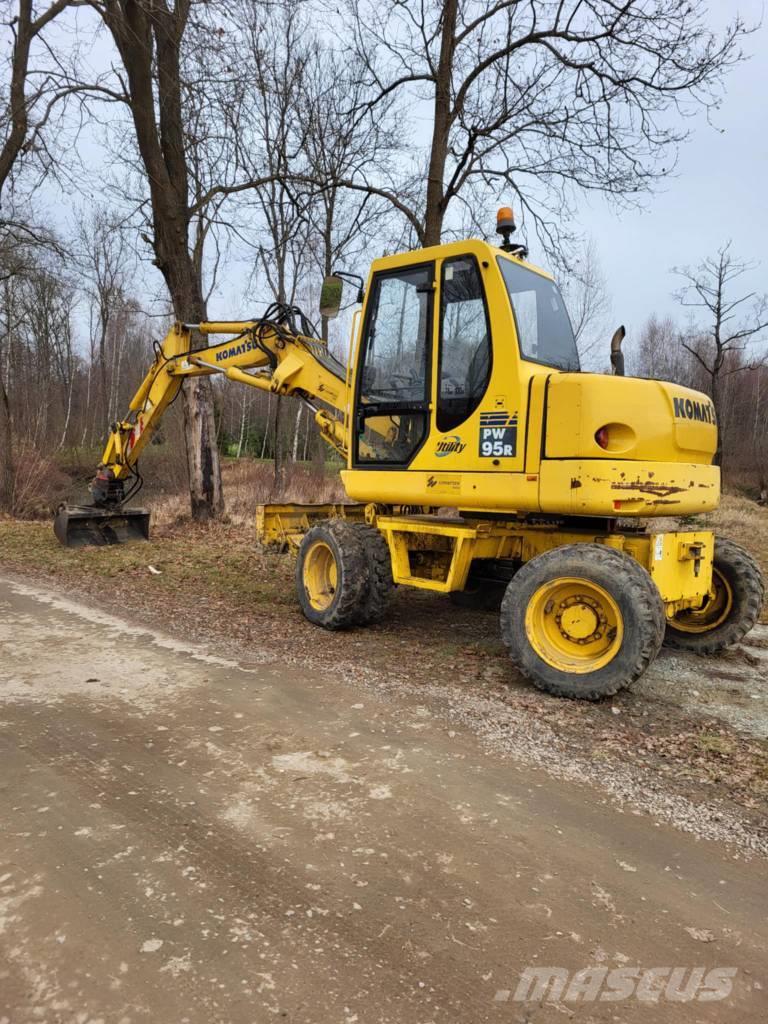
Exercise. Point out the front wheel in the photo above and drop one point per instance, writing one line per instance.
(332, 574)
(582, 621)
(730, 610)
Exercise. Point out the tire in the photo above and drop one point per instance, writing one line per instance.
(381, 587)
(726, 619)
(558, 595)
(332, 574)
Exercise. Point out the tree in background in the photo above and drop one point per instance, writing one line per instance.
(731, 325)
(586, 297)
(31, 98)
(537, 98)
(245, 128)
(31, 262)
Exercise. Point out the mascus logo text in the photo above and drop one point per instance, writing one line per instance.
(687, 409)
(450, 445)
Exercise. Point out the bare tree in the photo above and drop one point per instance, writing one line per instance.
(148, 38)
(24, 249)
(657, 351)
(538, 97)
(720, 344)
(103, 261)
(589, 305)
(19, 129)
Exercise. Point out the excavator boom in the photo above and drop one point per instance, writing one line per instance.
(273, 354)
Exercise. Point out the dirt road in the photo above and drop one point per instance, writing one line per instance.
(189, 839)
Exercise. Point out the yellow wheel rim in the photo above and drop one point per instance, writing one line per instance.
(713, 612)
(574, 625)
(320, 575)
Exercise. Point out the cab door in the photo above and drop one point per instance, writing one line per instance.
(392, 399)
(464, 344)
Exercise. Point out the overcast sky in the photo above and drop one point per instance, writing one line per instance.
(719, 192)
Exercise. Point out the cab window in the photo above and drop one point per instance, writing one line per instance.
(393, 388)
(465, 342)
(543, 327)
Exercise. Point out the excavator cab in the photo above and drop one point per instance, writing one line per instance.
(466, 391)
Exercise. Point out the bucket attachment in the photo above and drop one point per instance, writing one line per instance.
(79, 526)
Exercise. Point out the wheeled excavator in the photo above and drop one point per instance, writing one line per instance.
(479, 462)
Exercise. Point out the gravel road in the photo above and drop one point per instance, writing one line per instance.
(187, 838)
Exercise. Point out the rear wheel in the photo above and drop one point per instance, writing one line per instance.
(332, 574)
(729, 612)
(583, 620)
(377, 598)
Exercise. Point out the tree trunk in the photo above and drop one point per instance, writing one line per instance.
(435, 203)
(6, 450)
(138, 30)
(715, 394)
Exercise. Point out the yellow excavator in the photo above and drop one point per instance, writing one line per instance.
(480, 462)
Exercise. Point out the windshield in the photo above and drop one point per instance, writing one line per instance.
(543, 328)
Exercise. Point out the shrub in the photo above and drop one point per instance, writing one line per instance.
(38, 484)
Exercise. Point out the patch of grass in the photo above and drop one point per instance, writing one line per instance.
(715, 743)
(219, 562)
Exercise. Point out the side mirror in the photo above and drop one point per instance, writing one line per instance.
(617, 356)
(330, 296)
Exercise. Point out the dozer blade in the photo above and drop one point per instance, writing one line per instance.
(79, 526)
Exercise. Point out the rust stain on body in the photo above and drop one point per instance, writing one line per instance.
(661, 490)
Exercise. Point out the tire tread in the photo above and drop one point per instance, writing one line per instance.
(638, 588)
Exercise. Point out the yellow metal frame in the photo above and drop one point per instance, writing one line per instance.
(283, 526)
(680, 564)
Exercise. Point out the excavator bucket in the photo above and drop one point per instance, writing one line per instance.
(79, 526)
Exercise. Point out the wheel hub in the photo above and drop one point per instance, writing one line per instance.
(574, 624)
(580, 619)
(320, 575)
(713, 611)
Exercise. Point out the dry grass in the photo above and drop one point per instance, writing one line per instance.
(248, 483)
(38, 484)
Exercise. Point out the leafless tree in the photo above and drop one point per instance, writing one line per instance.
(20, 129)
(148, 38)
(537, 97)
(586, 296)
(24, 250)
(724, 343)
(657, 351)
(104, 264)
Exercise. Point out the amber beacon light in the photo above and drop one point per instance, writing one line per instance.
(505, 226)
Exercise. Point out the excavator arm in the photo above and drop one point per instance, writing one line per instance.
(270, 354)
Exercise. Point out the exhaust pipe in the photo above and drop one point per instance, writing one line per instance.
(80, 526)
(617, 356)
